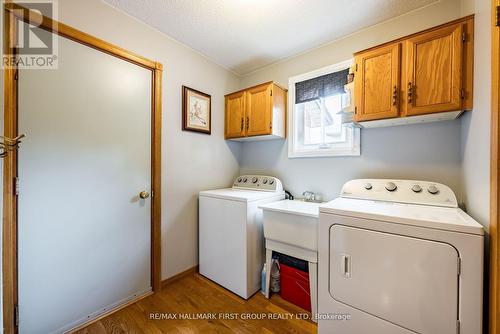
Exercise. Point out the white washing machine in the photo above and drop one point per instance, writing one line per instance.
(231, 238)
(399, 256)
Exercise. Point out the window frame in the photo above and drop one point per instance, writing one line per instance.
(353, 148)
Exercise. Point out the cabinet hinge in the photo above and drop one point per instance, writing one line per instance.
(497, 19)
(356, 67)
(462, 94)
(464, 36)
(16, 186)
(16, 75)
(16, 315)
(271, 92)
(459, 266)
(270, 125)
(458, 326)
(355, 110)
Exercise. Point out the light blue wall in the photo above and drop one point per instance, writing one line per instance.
(427, 152)
(475, 132)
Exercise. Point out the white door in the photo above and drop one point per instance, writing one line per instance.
(84, 234)
(409, 282)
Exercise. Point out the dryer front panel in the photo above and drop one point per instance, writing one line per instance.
(410, 282)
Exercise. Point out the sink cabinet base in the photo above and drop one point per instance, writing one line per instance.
(300, 253)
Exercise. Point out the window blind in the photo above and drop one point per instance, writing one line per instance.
(323, 86)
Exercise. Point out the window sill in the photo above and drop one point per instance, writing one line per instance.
(324, 154)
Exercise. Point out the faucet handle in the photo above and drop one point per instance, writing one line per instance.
(309, 195)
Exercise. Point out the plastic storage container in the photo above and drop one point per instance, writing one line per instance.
(295, 286)
(293, 262)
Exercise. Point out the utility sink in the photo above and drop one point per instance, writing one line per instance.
(292, 222)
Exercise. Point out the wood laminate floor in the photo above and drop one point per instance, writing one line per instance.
(195, 296)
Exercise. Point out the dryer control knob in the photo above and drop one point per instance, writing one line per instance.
(254, 180)
(368, 186)
(271, 182)
(416, 188)
(264, 181)
(245, 180)
(391, 186)
(240, 179)
(433, 190)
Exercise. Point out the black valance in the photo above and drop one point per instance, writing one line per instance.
(323, 86)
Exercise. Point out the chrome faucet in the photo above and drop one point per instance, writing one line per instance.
(309, 196)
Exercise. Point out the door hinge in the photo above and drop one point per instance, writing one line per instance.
(458, 326)
(16, 315)
(497, 20)
(464, 36)
(16, 186)
(459, 266)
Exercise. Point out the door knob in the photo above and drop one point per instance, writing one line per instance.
(144, 194)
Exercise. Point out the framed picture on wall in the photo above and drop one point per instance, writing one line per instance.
(196, 111)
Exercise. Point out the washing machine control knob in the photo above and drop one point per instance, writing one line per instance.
(391, 186)
(368, 186)
(254, 180)
(433, 190)
(416, 188)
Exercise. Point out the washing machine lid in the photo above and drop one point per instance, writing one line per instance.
(241, 195)
(435, 217)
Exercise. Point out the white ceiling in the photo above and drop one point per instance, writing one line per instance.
(245, 35)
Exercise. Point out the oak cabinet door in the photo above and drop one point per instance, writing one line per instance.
(259, 110)
(434, 71)
(377, 83)
(235, 115)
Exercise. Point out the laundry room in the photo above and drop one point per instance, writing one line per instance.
(265, 166)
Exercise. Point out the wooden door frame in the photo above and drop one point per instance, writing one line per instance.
(494, 284)
(12, 13)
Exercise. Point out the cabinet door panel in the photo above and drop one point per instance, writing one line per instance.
(377, 83)
(235, 115)
(435, 71)
(259, 110)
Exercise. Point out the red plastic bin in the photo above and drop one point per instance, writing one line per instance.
(295, 286)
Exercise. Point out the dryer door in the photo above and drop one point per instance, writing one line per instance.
(410, 282)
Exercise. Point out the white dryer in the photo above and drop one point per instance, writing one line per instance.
(399, 256)
(231, 238)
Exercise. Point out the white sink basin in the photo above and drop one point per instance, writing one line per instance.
(292, 222)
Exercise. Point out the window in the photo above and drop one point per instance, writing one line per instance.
(316, 128)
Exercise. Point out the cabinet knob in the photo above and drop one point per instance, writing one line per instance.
(410, 92)
(395, 96)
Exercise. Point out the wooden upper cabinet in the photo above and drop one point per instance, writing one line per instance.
(256, 111)
(434, 71)
(235, 115)
(259, 110)
(377, 84)
(424, 73)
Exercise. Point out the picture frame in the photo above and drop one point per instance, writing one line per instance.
(196, 111)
